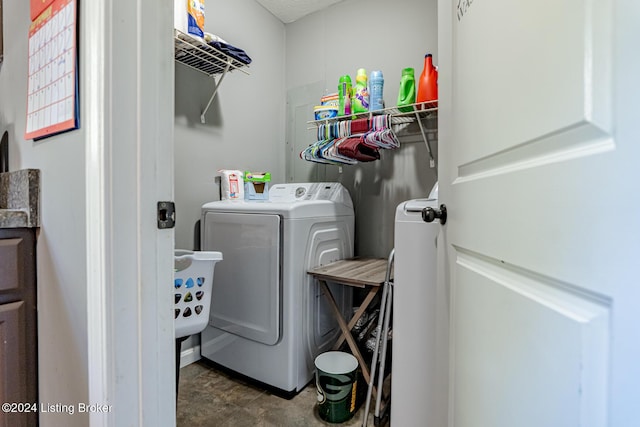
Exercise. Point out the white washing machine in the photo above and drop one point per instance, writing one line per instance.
(420, 320)
(269, 319)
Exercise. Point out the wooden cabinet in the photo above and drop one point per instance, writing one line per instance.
(18, 325)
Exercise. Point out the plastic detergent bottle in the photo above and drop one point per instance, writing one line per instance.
(344, 96)
(360, 102)
(407, 93)
(376, 87)
(428, 83)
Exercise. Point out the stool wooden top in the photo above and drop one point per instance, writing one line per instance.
(357, 271)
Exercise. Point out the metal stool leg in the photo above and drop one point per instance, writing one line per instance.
(381, 317)
(383, 358)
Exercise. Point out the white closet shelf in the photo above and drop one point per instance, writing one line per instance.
(421, 110)
(206, 59)
(417, 112)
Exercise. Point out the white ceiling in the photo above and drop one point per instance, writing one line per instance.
(291, 10)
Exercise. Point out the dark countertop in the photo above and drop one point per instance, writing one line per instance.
(20, 199)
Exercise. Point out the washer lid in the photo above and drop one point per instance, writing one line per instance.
(294, 200)
(411, 210)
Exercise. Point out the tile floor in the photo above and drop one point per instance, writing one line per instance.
(211, 398)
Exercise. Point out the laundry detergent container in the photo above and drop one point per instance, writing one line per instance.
(193, 284)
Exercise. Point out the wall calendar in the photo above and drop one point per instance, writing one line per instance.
(52, 102)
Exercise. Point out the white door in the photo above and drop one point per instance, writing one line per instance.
(539, 150)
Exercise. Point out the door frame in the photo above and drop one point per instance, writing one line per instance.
(128, 117)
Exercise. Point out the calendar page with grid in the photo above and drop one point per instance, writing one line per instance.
(52, 84)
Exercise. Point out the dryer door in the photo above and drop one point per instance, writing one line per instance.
(246, 297)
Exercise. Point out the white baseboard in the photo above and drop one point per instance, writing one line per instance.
(189, 356)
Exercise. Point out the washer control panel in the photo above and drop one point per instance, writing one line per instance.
(293, 192)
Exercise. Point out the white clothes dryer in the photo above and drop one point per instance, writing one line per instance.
(268, 318)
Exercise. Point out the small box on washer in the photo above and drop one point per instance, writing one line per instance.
(256, 185)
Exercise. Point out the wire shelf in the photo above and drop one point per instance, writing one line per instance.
(404, 115)
(206, 59)
(202, 57)
(399, 115)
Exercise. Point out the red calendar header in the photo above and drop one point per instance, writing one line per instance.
(37, 6)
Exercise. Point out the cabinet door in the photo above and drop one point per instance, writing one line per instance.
(13, 381)
(11, 265)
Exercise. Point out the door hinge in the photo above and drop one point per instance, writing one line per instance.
(166, 215)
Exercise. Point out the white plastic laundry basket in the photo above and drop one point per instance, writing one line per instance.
(193, 284)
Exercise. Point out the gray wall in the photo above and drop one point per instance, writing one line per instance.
(245, 124)
(61, 248)
(370, 34)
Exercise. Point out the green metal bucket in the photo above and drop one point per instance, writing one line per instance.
(336, 382)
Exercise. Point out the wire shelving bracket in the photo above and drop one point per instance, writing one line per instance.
(206, 59)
